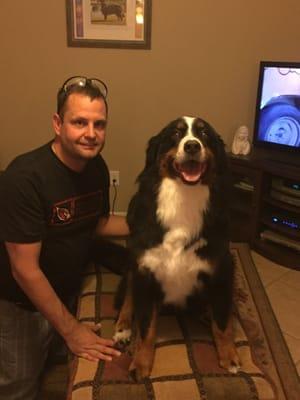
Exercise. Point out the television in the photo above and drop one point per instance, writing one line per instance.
(277, 116)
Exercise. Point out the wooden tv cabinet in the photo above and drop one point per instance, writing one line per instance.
(252, 206)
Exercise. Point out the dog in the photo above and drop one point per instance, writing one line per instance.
(179, 239)
(111, 9)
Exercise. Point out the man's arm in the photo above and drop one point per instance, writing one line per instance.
(114, 225)
(80, 338)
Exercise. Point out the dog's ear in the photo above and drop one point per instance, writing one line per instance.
(152, 151)
(221, 155)
(219, 150)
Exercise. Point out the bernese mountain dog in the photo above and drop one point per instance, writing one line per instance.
(179, 239)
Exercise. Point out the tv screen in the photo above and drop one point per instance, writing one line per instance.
(277, 120)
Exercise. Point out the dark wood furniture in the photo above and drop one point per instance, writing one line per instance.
(252, 206)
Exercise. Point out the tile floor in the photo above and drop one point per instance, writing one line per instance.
(282, 286)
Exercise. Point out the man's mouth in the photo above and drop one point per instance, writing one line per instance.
(89, 145)
(190, 171)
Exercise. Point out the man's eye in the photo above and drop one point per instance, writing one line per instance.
(100, 124)
(79, 122)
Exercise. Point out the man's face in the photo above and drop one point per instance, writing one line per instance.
(81, 133)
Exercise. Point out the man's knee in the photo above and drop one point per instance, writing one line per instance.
(24, 342)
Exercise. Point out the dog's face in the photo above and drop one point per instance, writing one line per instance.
(188, 149)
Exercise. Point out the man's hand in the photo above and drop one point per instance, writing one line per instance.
(83, 342)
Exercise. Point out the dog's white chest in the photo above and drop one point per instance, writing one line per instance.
(174, 267)
(180, 205)
(174, 263)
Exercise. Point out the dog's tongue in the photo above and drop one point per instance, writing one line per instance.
(191, 171)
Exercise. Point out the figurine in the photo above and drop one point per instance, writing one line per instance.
(241, 143)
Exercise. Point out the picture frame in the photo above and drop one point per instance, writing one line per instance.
(109, 23)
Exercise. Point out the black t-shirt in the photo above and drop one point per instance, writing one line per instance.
(43, 200)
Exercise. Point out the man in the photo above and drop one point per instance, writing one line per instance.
(52, 200)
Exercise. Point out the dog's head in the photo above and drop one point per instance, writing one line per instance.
(188, 149)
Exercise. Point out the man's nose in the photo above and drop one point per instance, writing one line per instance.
(90, 131)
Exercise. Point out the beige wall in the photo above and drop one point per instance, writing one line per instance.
(204, 61)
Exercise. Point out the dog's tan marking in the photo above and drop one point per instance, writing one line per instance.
(143, 357)
(228, 356)
(164, 164)
(210, 174)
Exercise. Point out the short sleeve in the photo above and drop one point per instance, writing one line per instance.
(21, 213)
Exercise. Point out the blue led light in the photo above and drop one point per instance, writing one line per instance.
(290, 224)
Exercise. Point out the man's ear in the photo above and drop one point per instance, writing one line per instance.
(57, 123)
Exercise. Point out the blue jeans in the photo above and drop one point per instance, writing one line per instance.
(25, 337)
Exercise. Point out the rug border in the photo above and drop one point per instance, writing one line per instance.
(288, 373)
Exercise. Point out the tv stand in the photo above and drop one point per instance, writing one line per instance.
(284, 161)
(253, 207)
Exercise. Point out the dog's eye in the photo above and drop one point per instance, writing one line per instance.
(177, 134)
(203, 134)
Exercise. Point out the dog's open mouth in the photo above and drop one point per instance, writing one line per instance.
(190, 171)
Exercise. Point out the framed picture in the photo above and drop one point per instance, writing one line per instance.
(109, 23)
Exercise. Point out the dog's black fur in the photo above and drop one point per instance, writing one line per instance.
(148, 231)
(111, 9)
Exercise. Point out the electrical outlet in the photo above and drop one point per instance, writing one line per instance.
(114, 178)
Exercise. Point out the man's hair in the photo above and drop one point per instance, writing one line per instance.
(89, 90)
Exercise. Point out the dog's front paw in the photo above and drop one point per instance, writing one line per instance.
(141, 365)
(139, 371)
(122, 337)
(229, 359)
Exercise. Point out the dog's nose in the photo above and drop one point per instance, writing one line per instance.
(192, 147)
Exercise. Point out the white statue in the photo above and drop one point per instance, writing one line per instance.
(241, 143)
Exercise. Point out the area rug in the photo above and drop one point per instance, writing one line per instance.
(186, 365)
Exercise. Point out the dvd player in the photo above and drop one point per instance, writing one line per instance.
(287, 221)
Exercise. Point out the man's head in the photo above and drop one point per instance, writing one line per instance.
(91, 87)
(80, 121)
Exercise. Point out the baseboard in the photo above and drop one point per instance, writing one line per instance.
(121, 213)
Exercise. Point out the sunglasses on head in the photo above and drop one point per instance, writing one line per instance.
(83, 81)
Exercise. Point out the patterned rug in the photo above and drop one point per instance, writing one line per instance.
(186, 365)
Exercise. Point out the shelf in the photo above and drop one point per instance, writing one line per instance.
(241, 199)
(240, 209)
(277, 253)
(289, 207)
(252, 210)
(293, 234)
(239, 231)
(276, 237)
